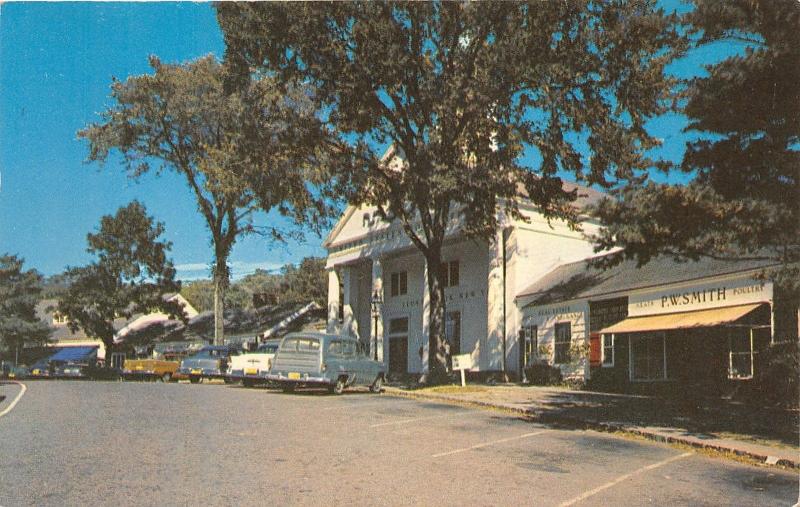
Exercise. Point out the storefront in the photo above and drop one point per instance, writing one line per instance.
(705, 334)
(664, 325)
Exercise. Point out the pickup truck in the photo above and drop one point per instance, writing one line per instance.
(325, 360)
(210, 362)
(251, 368)
(149, 369)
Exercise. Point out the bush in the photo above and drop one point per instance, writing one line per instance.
(779, 378)
(542, 374)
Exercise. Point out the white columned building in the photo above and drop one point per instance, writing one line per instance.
(366, 254)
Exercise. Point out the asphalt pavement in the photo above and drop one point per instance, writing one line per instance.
(127, 443)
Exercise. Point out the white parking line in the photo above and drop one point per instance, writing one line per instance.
(13, 403)
(407, 421)
(486, 444)
(621, 478)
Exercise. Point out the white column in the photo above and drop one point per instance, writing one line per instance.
(491, 358)
(426, 319)
(376, 330)
(349, 282)
(333, 302)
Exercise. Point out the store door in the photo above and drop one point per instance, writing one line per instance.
(398, 354)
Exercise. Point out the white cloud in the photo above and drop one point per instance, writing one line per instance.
(198, 270)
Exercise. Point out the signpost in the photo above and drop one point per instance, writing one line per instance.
(462, 362)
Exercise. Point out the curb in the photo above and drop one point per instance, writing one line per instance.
(723, 450)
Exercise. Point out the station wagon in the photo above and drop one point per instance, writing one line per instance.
(325, 360)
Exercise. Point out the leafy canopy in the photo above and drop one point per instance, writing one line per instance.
(131, 274)
(462, 90)
(744, 198)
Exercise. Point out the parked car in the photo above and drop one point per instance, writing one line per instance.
(149, 369)
(42, 369)
(210, 362)
(10, 370)
(325, 360)
(70, 370)
(251, 368)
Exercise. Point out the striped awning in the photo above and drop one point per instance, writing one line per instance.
(683, 320)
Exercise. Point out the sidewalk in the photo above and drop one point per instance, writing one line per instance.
(769, 437)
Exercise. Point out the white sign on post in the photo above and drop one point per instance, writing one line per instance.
(462, 362)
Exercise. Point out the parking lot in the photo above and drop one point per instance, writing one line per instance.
(127, 443)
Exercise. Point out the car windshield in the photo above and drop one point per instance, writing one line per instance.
(268, 349)
(301, 344)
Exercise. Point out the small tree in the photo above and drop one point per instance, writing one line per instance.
(240, 152)
(19, 293)
(131, 275)
(462, 90)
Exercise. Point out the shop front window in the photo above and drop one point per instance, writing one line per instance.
(648, 360)
(608, 350)
(563, 339)
(740, 364)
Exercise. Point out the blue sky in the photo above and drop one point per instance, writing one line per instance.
(56, 64)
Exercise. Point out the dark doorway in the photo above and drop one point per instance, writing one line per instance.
(398, 354)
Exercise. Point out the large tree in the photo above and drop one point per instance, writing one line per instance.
(131, 274)
(20, 291)
(240, 152)
(743, 200)
(463, 91)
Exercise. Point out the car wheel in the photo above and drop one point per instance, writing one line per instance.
(166, 377)
(287, 387)
(377, 385)
(248, 382)
(194, 380)
(338, 387)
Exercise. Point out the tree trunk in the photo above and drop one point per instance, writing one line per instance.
(219, 309)
(437, 351)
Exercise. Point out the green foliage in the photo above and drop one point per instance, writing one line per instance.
(461, 90)
(744, 198)
(294, 284)
(256, 148)
(200, 293)
(20, 291)
(131, 275)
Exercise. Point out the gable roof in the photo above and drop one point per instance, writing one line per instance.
(586, 196)
(580, 280)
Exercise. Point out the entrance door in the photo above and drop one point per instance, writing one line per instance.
(398, 354)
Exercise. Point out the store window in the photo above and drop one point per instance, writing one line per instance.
(740, 364)
(531, 334)
(399, 283)
(563, 339)
(608, 350)
(648, 360)
(450, 274)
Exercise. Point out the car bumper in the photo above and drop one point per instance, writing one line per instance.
(200, 372)
(304, 378)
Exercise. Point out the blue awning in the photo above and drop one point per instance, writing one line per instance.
(73, 353)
